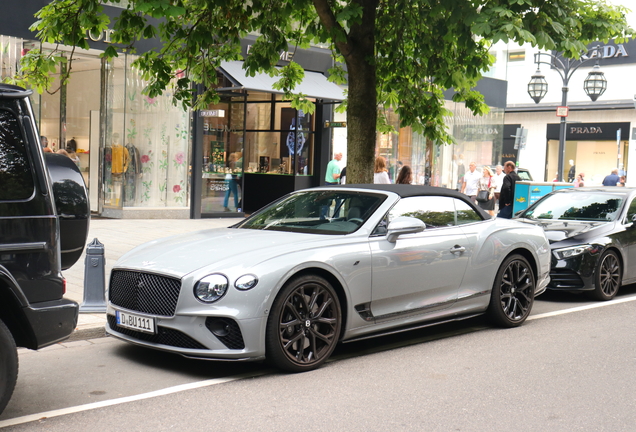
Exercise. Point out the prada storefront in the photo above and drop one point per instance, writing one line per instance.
(591, 148)
(252, 147)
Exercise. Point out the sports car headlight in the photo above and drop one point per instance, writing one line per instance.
(211, 288)
(573, 251)
(246, 282)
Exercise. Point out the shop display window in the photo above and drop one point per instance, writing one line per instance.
(147, 143)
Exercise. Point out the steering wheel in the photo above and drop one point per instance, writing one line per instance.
(356, 221)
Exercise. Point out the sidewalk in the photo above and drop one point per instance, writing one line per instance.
(119, 236)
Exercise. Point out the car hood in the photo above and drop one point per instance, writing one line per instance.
(560, 230)
(182, 254)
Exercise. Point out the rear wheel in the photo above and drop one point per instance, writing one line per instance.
(304, 324)
(608, 278)
(8, 365)
(512, 294)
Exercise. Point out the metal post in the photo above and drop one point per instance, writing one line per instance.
(94, 279)
(562, 132)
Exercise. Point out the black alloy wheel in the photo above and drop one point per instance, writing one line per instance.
(304, 324)
(608, 276)
(512, 294)
(8, 365)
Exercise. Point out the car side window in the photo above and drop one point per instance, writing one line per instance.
(465, 213)
(434, 211)
(15, 171)
(631, 212)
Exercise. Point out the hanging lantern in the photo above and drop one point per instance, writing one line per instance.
(595, 84)
(538, 86)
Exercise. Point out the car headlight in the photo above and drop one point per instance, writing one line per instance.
(211, 288)
(246, 282)
(573, 251)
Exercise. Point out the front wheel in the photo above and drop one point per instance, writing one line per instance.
(512, 294)
(304, 324)
(609, 277)
(8, 365)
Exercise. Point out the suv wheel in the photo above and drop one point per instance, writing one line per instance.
(8, 365)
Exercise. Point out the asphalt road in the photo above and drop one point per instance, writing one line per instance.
(571, 371)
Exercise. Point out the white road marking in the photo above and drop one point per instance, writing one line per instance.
(211, 382)
(122, 400)
(582, 308)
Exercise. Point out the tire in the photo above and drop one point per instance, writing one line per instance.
(304, 325)
(608, 276)
(8, 365)
(512, 293)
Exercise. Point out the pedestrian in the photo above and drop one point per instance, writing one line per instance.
(62, 152)
(71, 149)
(507, 196)
(470, 181)
(333, 170)
(498, 177)
(380, 175)
(612, 179)
(580, 181)
(405, 176)
(621, 182)
(45, 144)
(486, 187)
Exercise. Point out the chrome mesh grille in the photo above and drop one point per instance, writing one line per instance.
(144, 292)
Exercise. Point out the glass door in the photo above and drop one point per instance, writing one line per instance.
(222, 174)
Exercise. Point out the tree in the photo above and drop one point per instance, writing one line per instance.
(401, 54)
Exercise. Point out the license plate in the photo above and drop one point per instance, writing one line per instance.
(135, 322)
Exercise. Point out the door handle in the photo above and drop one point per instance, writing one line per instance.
(458, 249)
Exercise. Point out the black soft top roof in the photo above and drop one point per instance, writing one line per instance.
(13, 91)
(405, 191)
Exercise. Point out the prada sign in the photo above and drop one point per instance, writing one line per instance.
(589, 131)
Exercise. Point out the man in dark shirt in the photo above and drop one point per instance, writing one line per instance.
(507, 194)
(612, 179)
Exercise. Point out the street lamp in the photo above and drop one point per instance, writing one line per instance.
(595, 85)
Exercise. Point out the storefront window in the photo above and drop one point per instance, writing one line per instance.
(222, 155)
(147, 145)
(478, 139)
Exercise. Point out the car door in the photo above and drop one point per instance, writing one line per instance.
(628, 240)
(419, 273)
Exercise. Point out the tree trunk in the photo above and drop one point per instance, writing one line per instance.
(362, 99)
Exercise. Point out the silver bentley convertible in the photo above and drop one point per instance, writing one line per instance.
(327, 265)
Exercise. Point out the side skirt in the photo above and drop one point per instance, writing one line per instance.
(411, 327)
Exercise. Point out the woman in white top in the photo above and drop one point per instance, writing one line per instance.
(380, 175)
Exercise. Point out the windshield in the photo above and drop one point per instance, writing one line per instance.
(316, 212)
(589, 206)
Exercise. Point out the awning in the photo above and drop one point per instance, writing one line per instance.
(314, 85)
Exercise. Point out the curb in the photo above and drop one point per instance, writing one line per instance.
(84, 333)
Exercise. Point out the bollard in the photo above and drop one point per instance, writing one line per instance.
(94, 279)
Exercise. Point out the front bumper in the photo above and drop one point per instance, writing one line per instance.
(51, 321)
(575, 273)
(193, 337)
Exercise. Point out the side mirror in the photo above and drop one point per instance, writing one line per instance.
(404, 225)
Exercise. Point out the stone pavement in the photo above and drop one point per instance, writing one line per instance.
(119, 236)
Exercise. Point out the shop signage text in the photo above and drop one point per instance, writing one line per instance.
(104, 36)
(284, 55)
(585, 130)
(608, 51)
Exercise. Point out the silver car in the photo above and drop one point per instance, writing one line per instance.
(327, 265)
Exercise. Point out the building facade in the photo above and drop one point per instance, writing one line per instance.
(599, 135)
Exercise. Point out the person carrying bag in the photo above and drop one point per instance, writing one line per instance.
(486, 191)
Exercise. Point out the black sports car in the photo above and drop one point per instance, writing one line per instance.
(592, 234)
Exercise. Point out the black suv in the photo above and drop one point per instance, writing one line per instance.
(44, 216)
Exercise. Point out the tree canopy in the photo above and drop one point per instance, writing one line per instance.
(401, 54)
